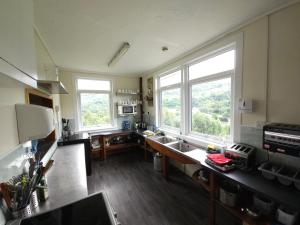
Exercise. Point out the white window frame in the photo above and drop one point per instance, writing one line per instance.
(78, 103)
(234, 42)
(159, 91)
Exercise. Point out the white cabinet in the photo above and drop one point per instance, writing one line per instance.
(17, 39)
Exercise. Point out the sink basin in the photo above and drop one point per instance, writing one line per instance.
(165, 140)
(183, 147)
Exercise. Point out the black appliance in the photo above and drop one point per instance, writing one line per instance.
(242, 155)
(282, 138)
(93, 210)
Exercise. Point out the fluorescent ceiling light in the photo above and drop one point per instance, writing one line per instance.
(119, 54)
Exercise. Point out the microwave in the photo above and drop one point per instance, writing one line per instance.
(127, 110)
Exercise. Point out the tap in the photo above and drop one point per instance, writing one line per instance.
(180, 139)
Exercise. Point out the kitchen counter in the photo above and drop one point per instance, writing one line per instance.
(67, 180)
(252, 181)
(110, 132)
(77, 139)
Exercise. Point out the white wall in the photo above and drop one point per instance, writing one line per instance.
(284, 66)
(271, 72)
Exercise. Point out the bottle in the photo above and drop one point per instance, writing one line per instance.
(42, 189)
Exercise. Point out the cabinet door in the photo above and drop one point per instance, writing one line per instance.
(16, 39)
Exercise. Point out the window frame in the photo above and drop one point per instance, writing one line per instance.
(78, 103)
(159, 91)
(234, 42)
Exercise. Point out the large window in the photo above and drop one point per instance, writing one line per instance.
(211, 109)
(169, 93)
(210, 93)
(94, 104)
(198, 99)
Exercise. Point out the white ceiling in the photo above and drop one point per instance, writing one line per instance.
(84, 35)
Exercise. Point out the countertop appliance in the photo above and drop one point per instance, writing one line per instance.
(242, 155)
(282, 138)
(95, 209)
(124, 110)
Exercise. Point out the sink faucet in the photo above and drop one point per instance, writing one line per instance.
(180, 139)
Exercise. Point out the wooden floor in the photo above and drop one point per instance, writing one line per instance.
(141, 195)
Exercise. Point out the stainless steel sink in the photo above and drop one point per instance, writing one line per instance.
(183, 147)
(165, 139)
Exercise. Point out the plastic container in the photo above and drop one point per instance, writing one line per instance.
(228, 197)
(286, 216)
(286, 175)
(269, 170)
(157, 162)
(265, 206)
(203, 175)
(27, 210)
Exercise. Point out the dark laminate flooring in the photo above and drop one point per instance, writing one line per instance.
(141, 195)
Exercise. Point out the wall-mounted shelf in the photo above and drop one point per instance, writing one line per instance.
(127, 93)
(128, 104)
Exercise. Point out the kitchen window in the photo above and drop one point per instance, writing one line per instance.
(169, 92)
(210, 88)
(199, 100)
(94, 104)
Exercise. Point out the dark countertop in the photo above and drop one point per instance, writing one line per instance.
(74, 139)
(110, 132)
(77, 139)
(67, 180)
(252, 181)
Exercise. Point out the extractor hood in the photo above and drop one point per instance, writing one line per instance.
(51, 86)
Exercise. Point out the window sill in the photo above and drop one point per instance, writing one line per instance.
(200, 141)
(170, 132)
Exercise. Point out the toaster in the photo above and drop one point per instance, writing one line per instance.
(242, 155)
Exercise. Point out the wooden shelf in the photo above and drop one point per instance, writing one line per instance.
(204, 184)
(120, 146)
(120, 93)
(243, 216)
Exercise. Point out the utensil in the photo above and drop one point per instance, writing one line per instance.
(6, 194)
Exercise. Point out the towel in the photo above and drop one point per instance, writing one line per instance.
(218, 159)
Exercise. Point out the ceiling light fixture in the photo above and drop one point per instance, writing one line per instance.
(124, 48)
